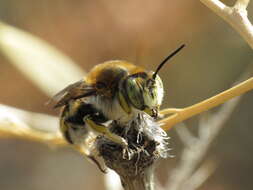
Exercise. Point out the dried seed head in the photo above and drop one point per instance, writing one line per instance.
(146, 140)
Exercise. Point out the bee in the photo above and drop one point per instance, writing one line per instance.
(111, 91)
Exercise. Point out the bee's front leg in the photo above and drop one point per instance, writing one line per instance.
(101, 129)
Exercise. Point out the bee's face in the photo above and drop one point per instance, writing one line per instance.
(144, 92)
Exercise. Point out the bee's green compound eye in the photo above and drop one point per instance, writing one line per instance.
(134, 91)
(142, 93)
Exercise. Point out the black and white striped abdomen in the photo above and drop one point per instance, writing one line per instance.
(72, 122)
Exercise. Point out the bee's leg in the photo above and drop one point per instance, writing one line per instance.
(99, 128)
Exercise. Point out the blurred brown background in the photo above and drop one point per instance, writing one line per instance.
(143, 32)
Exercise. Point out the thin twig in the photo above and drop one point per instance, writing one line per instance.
(185, 113)
(30, 126)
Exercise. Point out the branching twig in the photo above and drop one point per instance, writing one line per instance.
(236, 16)
(192, 155)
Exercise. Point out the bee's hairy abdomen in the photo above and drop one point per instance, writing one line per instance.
(72, 118)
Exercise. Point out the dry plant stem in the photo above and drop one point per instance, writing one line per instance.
(185, 113)
(236, 16)
(29, 126)
(141, 182)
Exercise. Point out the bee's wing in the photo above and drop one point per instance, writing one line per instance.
(74, 91)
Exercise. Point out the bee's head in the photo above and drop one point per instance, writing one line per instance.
(144, 90)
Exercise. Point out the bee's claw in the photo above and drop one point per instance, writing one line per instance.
(100, 167)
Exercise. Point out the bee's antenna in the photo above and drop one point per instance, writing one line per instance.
(167, 58)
